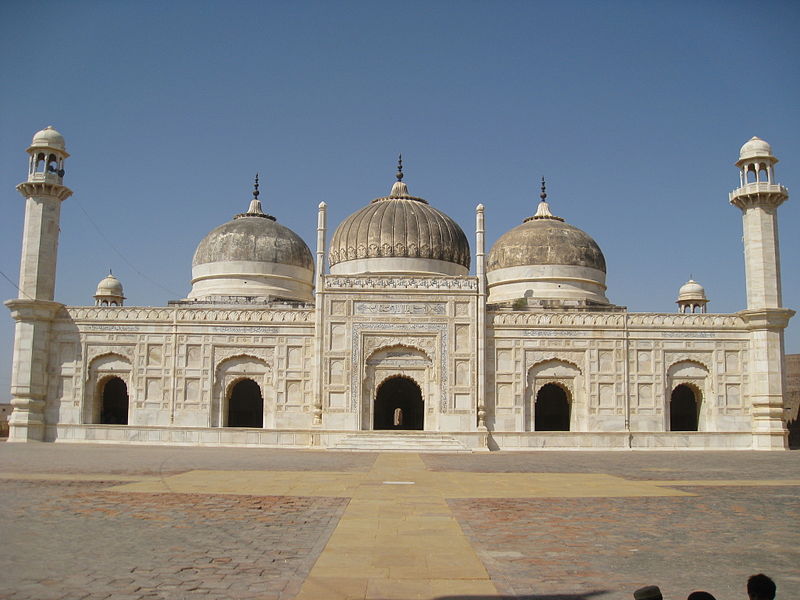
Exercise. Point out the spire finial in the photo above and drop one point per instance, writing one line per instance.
(255, 189)
(400, 168)
(543, 195)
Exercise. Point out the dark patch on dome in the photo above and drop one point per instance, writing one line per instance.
(252, 238)
(545, 242)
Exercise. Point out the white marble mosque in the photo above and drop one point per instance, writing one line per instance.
(393, 343)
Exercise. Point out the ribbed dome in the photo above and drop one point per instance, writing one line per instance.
(252, 256)
(545, 258)
(545, 242)
(399, 233)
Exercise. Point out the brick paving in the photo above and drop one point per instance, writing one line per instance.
(63, 538)
(74, 540)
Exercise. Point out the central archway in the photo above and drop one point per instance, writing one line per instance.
(552, 409)
(399, 405)
(246, 405)
(683, 409)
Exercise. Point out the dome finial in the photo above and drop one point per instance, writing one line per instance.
(254, 210)
(400, 168)
(543, 195)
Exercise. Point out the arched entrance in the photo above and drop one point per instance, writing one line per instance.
(683, 409)
(552, 409)
(246, 405)
(114, 403)
(399, 405)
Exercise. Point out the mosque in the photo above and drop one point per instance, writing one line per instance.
(381, 337)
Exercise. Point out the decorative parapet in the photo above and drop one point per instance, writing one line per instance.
(617, 321)
(131, 315)
(407, 283)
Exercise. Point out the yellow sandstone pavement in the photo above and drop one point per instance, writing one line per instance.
(398, 537)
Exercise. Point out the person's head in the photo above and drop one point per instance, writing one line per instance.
(760, 587)
(648, 592)
(700, 595)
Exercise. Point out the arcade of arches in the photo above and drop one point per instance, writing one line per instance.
(246, 405)
(114, 403)
(399, 405)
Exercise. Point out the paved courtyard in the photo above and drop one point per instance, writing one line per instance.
(129, 522)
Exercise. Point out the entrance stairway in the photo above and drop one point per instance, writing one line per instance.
(400, 441)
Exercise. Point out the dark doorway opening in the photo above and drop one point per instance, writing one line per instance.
(399, 405)
(552, 409)
(683, 409)
(246, 406)
(114, 405)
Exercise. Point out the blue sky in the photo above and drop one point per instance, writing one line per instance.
(633, 111)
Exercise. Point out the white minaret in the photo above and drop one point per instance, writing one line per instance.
(34, 308)
(758, 197)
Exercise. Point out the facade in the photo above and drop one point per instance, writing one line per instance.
(395, 336)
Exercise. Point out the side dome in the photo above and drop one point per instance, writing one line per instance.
(399, 233)
(546, 258)
(252, 256)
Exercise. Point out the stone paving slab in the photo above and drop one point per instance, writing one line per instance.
(89, 521)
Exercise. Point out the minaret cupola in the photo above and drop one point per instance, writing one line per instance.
(47, 154)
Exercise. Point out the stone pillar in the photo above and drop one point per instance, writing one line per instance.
(319, 318)
(480, 272)
(34, 309)
(765, 317)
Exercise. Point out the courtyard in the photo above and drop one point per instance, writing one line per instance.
(135, 522)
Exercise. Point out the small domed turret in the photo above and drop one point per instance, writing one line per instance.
(109, 292)
(692, 297)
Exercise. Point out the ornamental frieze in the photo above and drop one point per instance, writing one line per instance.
(412, 283)
(400, 308)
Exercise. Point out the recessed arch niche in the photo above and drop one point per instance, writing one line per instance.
(392, 362)
(108, 391)
(551, 389)
(686, 409)
(231, 383)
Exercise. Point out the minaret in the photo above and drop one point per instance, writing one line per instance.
(34, 309)
(758, 197)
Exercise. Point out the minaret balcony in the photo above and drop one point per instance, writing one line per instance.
(757, 193)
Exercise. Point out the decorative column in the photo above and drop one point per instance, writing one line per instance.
(319, 312)
(34, 308)
(480, 272)
(759, 198)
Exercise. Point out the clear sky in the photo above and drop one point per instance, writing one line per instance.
(633, 111)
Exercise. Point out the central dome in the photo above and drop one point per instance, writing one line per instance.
(252, 256)
(399, 233)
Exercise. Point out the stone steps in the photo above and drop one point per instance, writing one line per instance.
(400, 441)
